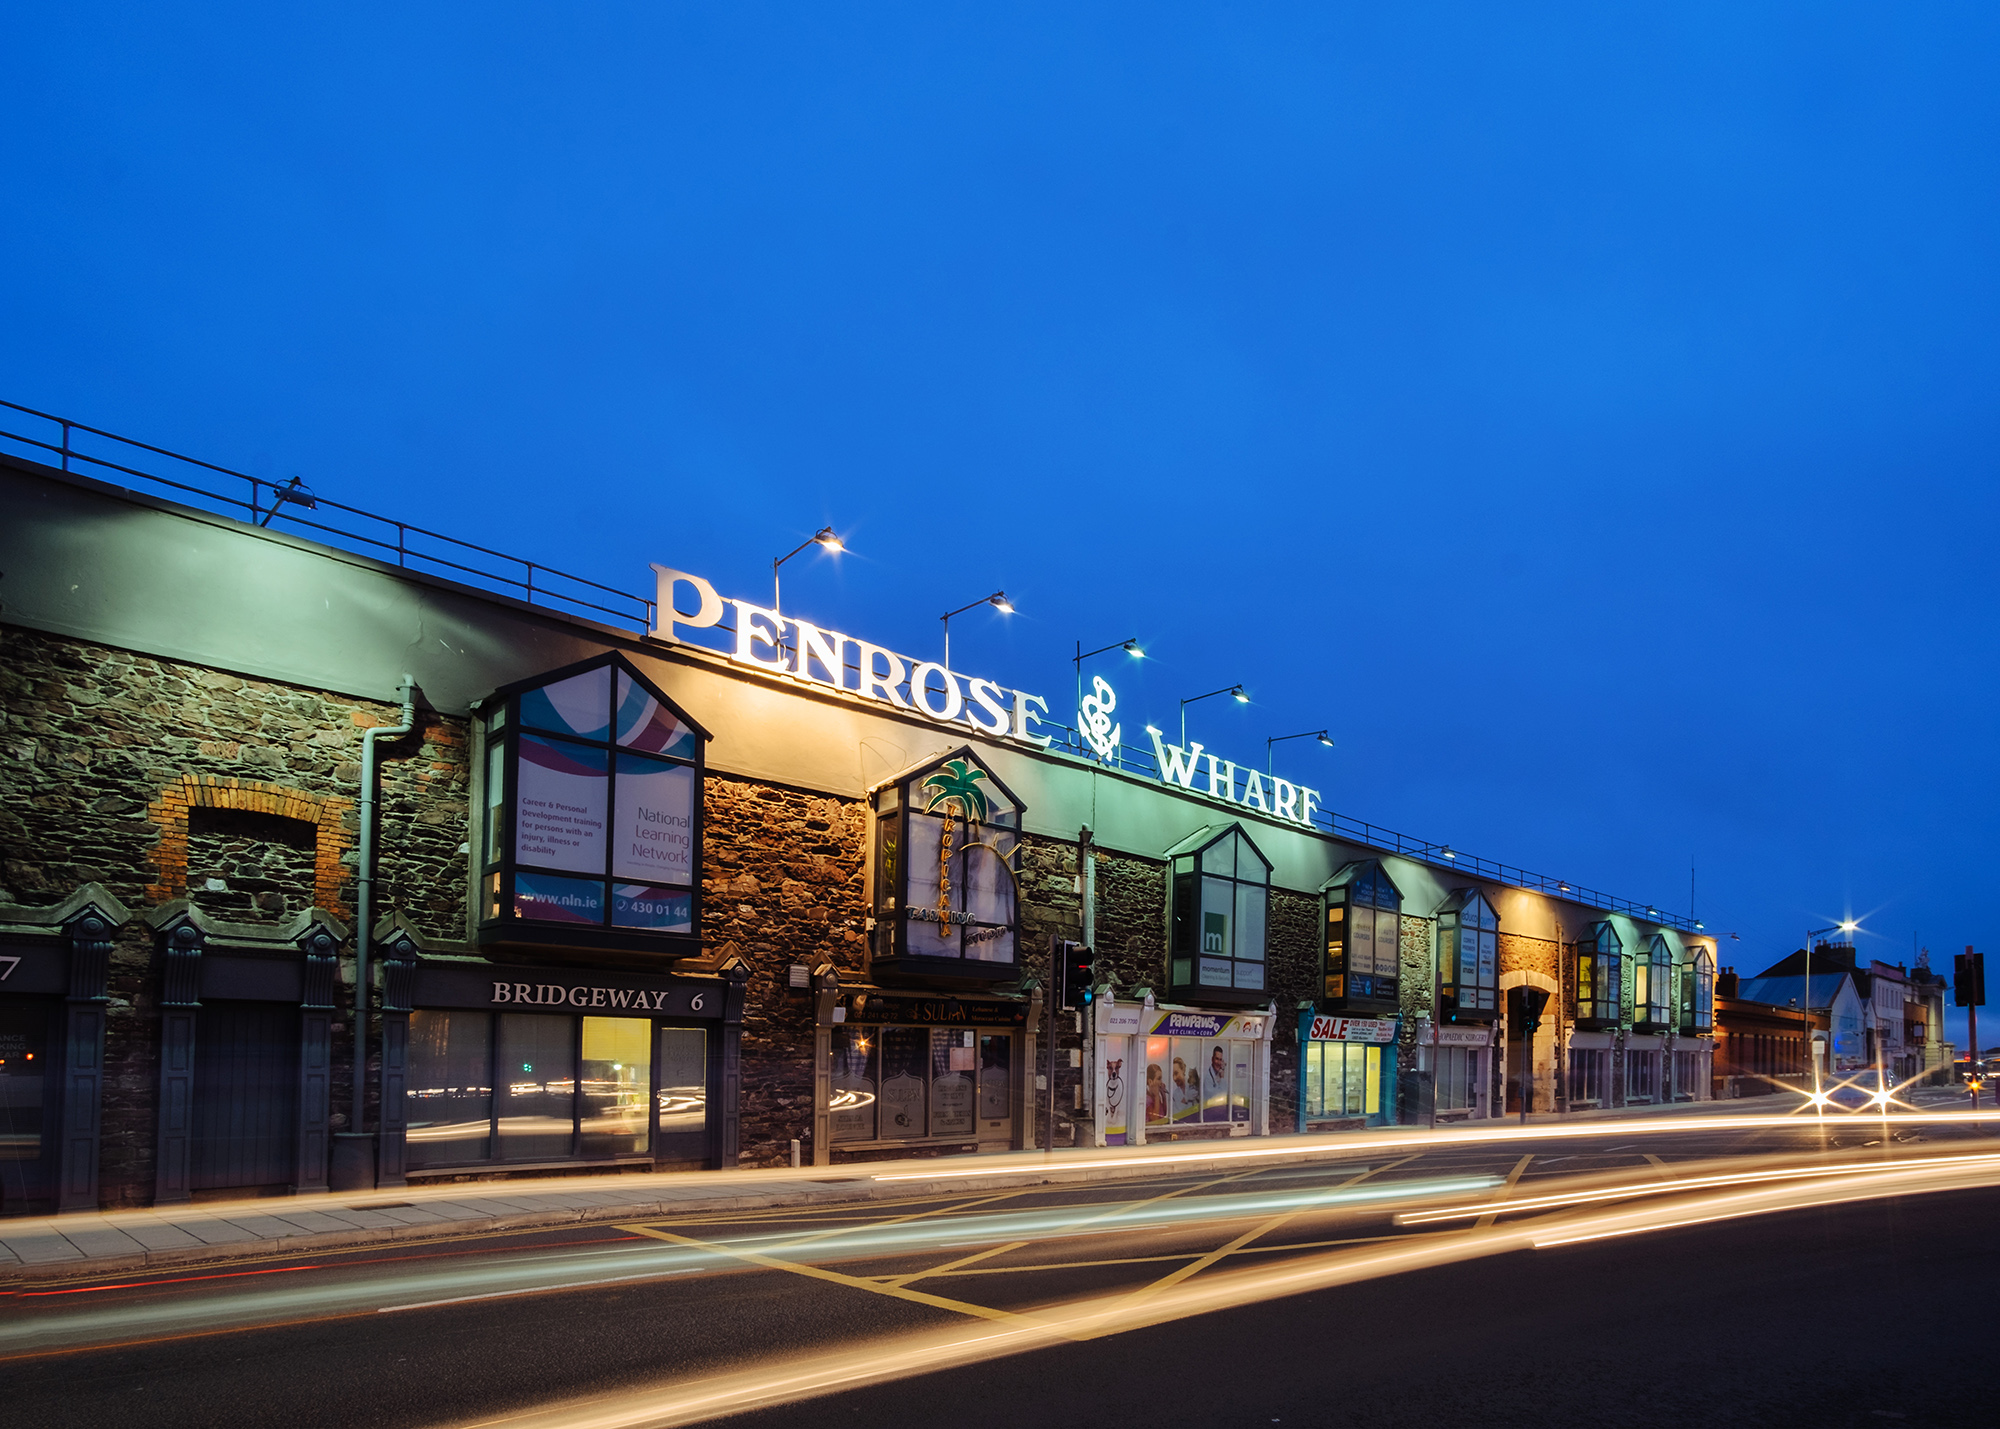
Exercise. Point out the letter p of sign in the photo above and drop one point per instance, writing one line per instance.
(667, 615)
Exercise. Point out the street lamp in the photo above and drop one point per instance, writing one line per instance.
(998, 600)
(1234, 691)
(1805, 1001)
(1276, 739)
(1130, 647)
(823, 537)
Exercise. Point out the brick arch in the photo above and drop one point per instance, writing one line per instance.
(327, 813)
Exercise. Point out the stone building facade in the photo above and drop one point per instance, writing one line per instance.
(183, 778)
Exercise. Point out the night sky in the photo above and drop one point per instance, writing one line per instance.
(1587, 413)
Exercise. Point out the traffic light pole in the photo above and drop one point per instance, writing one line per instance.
(1972, 1056)
(1055, 995)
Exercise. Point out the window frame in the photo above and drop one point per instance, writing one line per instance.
(1697, 999)
(495, 855)
(893, 804)
(1340, 989)
(1451, 920)
(1654, 998)
(1187, 878)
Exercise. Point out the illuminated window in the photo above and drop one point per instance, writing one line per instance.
(1468, 958)
(1343, 1079)
(1586, 1076)
(1599, 976)
(1361, 940)
(593, 811)
(1653, 986)
(1698, 994)
(1221, 905)
(946, 839)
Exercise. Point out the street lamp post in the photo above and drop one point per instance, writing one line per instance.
(1805, 1006)
(1277, 739)
(1235, 691)
(1130, 647)
(998, 600)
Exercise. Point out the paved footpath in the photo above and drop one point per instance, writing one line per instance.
(115, 1242)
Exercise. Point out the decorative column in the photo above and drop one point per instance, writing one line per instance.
(727, 1129)
(399, 985)
(83, 1062)
(180, 1003)
(320, 950)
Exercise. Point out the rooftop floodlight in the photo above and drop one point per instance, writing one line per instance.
(998, 600)
(1446, 851)
(1131, 647)
(1277, 739)
(1562, 888)
(823, 538)
(1234, 690)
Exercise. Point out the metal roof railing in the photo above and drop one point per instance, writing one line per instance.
(262, 502)
(203, 484)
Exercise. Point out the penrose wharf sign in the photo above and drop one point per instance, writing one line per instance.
(799, 650)
(1221, 780)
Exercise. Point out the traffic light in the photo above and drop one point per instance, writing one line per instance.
(1524, 1010)
(1968, 979)
(1074, 968)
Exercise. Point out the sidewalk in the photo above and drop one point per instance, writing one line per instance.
(118, 1242)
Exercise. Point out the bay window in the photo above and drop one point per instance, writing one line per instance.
(1653, 986)
(1698, 995)
(946, 837)
(1468, 958)
(1361, 942)
(1221, 906)
(593, 814)
(1600, 977)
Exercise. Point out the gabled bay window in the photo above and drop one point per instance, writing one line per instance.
(946, 905)
(1361, 942)
(1468, 958)
(593, 795)
(1653, 987)
(1221, 899)
(1600, 977)
(1698, 995)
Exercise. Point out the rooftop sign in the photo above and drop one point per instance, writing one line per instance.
(798, 650)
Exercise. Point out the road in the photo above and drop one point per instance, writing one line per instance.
(1775, 1276)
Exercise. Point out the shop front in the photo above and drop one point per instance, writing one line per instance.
(512, 1068)
(1169, 1073)
(1461, 1067)
(1347, 1071)
(909, 1073)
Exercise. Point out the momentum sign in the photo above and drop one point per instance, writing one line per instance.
(798, 650)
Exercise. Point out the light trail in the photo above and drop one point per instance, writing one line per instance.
(392, 1288)
(767, 1384)
(1830, 1118)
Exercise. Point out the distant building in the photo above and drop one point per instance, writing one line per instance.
(1760, 1046)
(1874, 1013)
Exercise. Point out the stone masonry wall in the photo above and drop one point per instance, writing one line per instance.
(783, 883)
(129, 770)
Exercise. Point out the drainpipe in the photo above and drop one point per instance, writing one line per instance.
(359, 1168)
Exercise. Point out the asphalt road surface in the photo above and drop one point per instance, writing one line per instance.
(1788, 1276)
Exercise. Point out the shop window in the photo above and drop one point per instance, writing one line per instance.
(1361, 945)
(1587, 1076)
(593, 814)
(1653, 986)
(1698, 994)
(28, 1086)
(1197, 1080)
(1641, 1076)
(1687, 1074)
(1599, 976)
(1221, 904)
(946, 838)
(524, 1086)
(682, 1099)
(1468, 958)
(1344, 1079)
(1457, 1071)
(916, 1083)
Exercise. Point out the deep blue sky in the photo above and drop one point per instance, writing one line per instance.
(1587, 412)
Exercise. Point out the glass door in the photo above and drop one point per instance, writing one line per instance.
(683, 1096)
(996, 1090)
